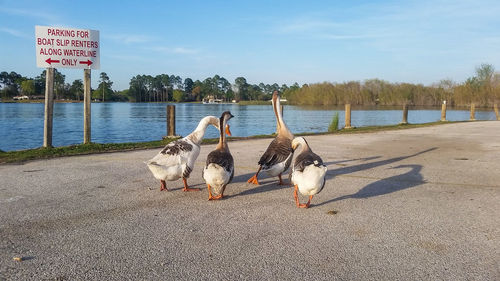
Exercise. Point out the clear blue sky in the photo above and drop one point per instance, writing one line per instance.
(266, 41)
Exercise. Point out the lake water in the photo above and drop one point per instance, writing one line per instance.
(21, 124)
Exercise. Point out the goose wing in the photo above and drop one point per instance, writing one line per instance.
(278, 151)
(177, 152)
(306, 159)
(221, 158)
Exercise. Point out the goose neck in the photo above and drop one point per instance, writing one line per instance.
(197, 135)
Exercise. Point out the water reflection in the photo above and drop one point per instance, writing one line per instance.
(21, 124)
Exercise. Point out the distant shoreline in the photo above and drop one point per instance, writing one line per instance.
(353, 107)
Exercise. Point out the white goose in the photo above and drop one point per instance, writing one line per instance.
(219, 168)
(278, 156)
(308, 172)
(177, 158)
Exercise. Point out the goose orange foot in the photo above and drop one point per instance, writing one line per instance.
(210, 197)
(163, 186)
(253, 180)
(186, 188)
(220, 196)
(296, 196)
(306, 205)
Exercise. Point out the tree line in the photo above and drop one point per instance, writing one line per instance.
(13, 84)
(142, 88)
(483, 89)
(162, 88)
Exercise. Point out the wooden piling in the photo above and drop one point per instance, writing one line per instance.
(405, 114)
(347, 116)
(49, 108)
(443, 112)
(472, 112)
(86, 106)
(495, 108)
(170, 120)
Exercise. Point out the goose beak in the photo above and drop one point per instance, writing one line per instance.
(228, 132)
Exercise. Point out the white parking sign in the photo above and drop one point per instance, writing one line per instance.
(67, 47)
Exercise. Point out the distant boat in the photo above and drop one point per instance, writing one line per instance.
(213, 101)
(21, 98)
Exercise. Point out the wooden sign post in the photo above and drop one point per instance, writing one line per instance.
(86, 106)
(49, 107)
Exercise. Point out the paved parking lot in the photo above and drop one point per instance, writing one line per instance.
(415, 204)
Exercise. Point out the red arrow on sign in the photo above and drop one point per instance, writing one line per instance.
(88, 62)
(50, 61)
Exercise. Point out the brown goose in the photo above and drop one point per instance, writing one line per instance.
(278, 156)
(219, 168)
(308, 172)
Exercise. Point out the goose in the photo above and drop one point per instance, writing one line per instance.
(308, 172)
(219, 168)
(278, 156)
(176, 160)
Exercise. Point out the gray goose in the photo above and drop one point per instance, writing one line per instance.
(219, 168)
(278, 156)
(308, 172)
(176, 160)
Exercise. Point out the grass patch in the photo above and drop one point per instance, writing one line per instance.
(80, 149)
(334, 125)
(92, 148)
(373, 129)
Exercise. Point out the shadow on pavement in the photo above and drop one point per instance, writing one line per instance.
(341, 162)
(356, 168)
(407, 180)
(400, 182)
(266, 184)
